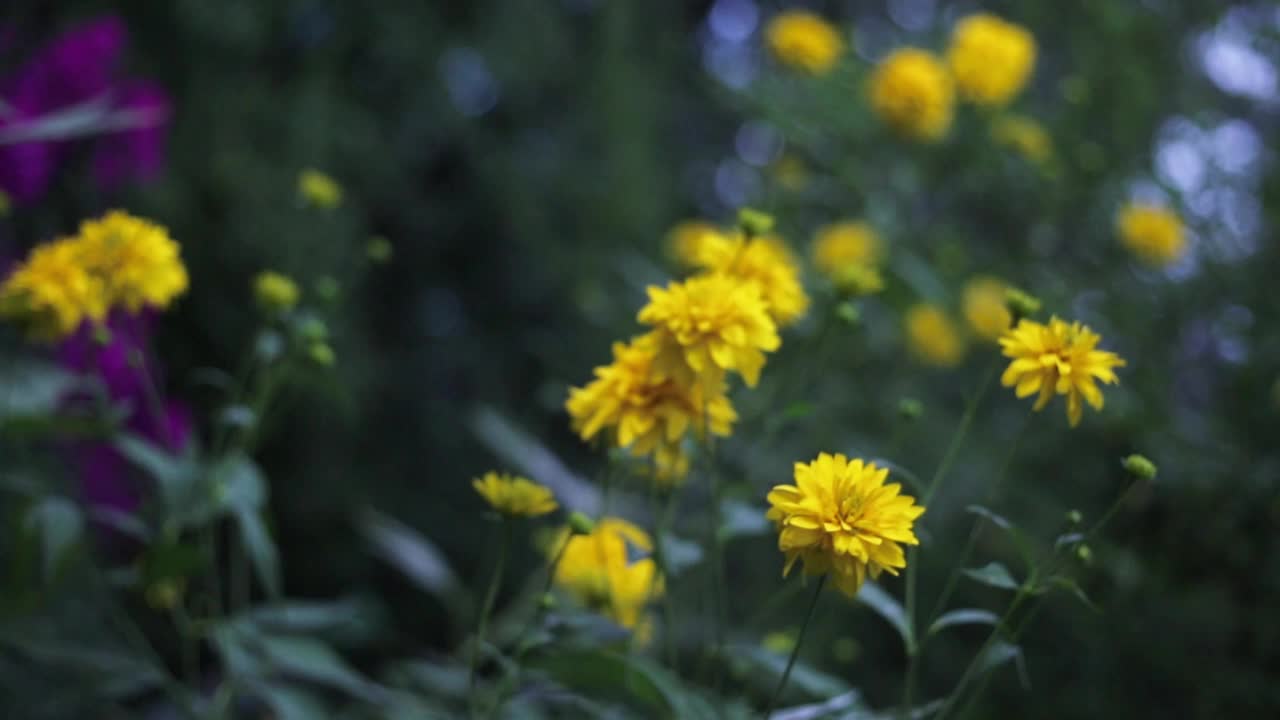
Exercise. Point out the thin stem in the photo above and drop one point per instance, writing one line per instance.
(957, 438)
(972, 667)
(663, 512)
(491, 596)
(795, 651)
(717, 551)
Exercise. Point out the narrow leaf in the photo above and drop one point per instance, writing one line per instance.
(887, 607)
(966, 616)
(60, 525)
(993, 574)
(261, 549)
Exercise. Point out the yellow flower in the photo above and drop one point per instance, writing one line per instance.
(319, 190)
(985, 308)
(670, 464)
(990, 58)
(804, 41)
(275, 292)
(647, 411)
(140, 265)
(687, 240)
(767, 262)
(841, 518)
(515, 496)
(1058, 358)
(707, 326)
(1024, 136)
(912, 92)
(932, 336)
(609, 570)
(52, 292)
(849, 253)
(1153, 233)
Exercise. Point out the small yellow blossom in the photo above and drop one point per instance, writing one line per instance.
(275, 292)
(802, 40)
(707, 326)
(985, 308)
(1059, 358)
(990, 58)
(140, 265)
(1024, 136)
(610, 570)
(319, 190)
(912, 92)
(645, 410)
(932, 336)
(1153, 233)
(841, 519)
(849, 254)
(767, 262)
(51, 293)
(687, 240)
(514, 496)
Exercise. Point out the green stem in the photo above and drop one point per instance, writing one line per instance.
(972, 667)
(795, 651)
(663, 512)
(491, 596)
(717, 557)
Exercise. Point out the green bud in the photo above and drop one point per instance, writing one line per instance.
(379, 249)
(321, 354)
(848, 313)
(1139, 467)
(1021, 304)
(753, 222)
(312, 329)
(580, 524)
(547, 601)
(1085, 554)
(327, 288)
(910, 409)
(1074, 517)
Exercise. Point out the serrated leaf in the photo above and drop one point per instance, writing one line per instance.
(60, 526)
(993, 574)
(965, 616)
(261, 549)
(887, 607)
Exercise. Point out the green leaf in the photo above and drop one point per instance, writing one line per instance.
(315, 662)
(965, 616)
(887, 607)
(998, 520)
(186, 500)
(1066, 539)
(1000, 653)
(261, 549)
(122, 522)
(813, 683)
(1069, 585)
(1020, 542)
(239, 484)
(631, 679)
(411, 553)
(308, 617)
(993, 574)
(32, 390)
(60, 526)
(289, 703)
(171, 560)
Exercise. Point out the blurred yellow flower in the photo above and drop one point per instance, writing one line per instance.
(140, 265)
(852, 242)
(707, 326)
(1024, 136)
(514, 495)
(647, 411)
(670, 464)
(52, 292)
(1058, 358)
(767, 262)
(841, 518)
(990, 58)
(610, 570)
(1154, 234)
(319, 190)
(687, 239)
(275, 292)
(985, 308)
(932, 337)
(912, 92)
(805, 41)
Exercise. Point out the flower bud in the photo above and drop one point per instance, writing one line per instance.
(1021, 304)
(580, 524)
(1139, 467)
(321, 354)
(547, 601)
(276, 294)
(327, 288)
(859, 279)
(753, 222)
(1074, 517)
(848, 313)
(910, 409)
(379, 250)
(312, 329)
(319, 190)
(1085, 554)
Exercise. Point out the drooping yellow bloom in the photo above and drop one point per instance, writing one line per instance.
(985, 308)
(1153, 233)
(610, 570)
(1024, 136)
(707, 326)
(644, 409)
(687, 239)
(841, 518)
(804, 41)
(912, 92)
(51, 293)
(275, 292)
(767, 262)
(514, 495)
(1059, 358)
(319, 190)
(991, 58)
(932, 337)
(140, 265)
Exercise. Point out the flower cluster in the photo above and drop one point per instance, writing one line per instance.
(841, 519)
(117, 261)
(804, 41)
